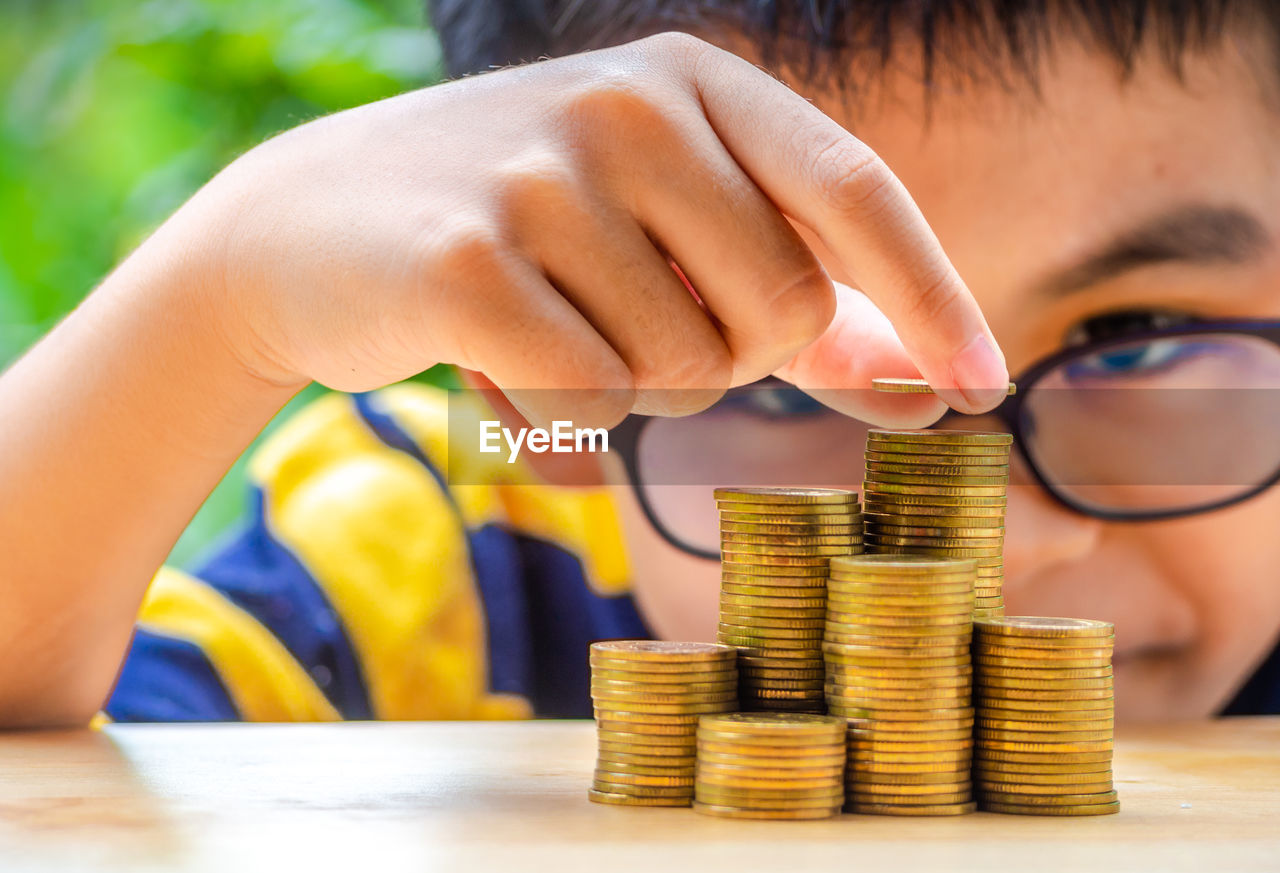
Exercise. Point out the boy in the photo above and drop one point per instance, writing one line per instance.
(1103, 176)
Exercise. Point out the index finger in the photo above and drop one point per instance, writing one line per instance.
(822, 176)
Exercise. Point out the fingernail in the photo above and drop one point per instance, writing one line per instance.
(980, 374)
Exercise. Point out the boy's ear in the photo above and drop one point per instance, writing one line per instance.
(580, 469)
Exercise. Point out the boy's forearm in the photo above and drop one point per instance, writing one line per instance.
(115, 428)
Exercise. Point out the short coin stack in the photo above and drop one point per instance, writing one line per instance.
(1045, 712)
(941, 493)
(897, 642)
(775, 544)
(648, 697)
(773, 765)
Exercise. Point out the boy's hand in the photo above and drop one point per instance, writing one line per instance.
(520, 224)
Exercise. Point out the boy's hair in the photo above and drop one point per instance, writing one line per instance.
(821, 38)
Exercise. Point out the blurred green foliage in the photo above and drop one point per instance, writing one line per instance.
(114, 113)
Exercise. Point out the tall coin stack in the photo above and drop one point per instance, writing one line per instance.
(898, 632)
(774, 765)
(1046, 716)
(774, 545)
(648, 696)
(941, 493)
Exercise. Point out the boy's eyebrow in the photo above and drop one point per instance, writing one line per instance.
(1196, 234)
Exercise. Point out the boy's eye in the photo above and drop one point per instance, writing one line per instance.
(1140, 358)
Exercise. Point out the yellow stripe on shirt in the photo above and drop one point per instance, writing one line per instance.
(262, 678)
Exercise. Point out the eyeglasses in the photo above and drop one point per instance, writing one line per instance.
(1152, 425)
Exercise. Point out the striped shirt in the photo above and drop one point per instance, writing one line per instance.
(363, 587)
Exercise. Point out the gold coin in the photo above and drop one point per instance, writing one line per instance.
(774, 725)
(733, 766)
(774, 597)
(902, 730)
(765, 814)
(764, 668)
(954, 465)
(1043, 771)
(945, 742)
(738, 631)
(788, 540)
(990, 736)
(965, 534)
(941, 777)
(846, 592)
(1049, 716)
(614, 799)
(762, 617)
(663, 679)
(1048, 747)
(897, 697)
(753, 747)
(611, 778)
(878, 566)
(789, 529)
(864, 808)
(964, 495)
(908, 797)
(993, 479)
(805, 654)
(786, 495)
(752, 551)
(987, 680)
(646, 791)
(773, 797)
(1098, 786)
(1078, 724)
(683, 751)
(764, 759)
(777, 574)
(943, 459)
(933, 513)
(922, 644)
(1049, 627)
(610, 764)
(652, 718)
(890, 677)
(697, 692)
(843, 611)
(1050, 799)
(889, 549)
(988, 660)
(742, 554)
(1084, 809)
(779, 513)
(1047, 674)
(605, 708)
(710, 777)
(996, 707)
(1047, 656)
(661, 650)
(655, 728)
(655, 668)
(916, 436)
(984, 755)
(790, 519)
(892, 499)
(912, 386)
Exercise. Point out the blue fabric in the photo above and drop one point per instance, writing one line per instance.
(565, 617)
(1261, 694)
(495, 559)
(262, 577)
(166, 679)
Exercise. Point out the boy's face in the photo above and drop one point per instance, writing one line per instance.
(1019, 189)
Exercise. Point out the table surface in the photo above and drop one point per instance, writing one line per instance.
(512, 796)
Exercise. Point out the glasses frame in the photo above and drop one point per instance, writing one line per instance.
(625, 437)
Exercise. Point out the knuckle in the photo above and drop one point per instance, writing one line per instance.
(933, 299)
(853, 180)
(803, 307)
(676, 45)
(469, 248)
(541, 182)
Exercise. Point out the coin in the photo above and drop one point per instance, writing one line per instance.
(912, 386)
(759, 813)
(999, 459)
(661, 650)
(632, 800)
(804, 528)
(1083, 809)
(786, 495)
(777, 574)
(935, 438)
(1048, 627)
(801, 519)
(865, 808)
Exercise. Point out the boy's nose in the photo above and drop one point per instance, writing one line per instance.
(1040, 533)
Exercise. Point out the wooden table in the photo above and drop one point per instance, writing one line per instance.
(512, 797)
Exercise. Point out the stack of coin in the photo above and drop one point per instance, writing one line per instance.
(648, 697)
(774, 544)
(897, 642)
(1046, 715)
(770, 765)
(941, 493)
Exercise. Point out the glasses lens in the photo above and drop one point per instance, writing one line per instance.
(763, 435)
(1162, 425)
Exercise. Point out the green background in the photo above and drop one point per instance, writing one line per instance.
(114, 113)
